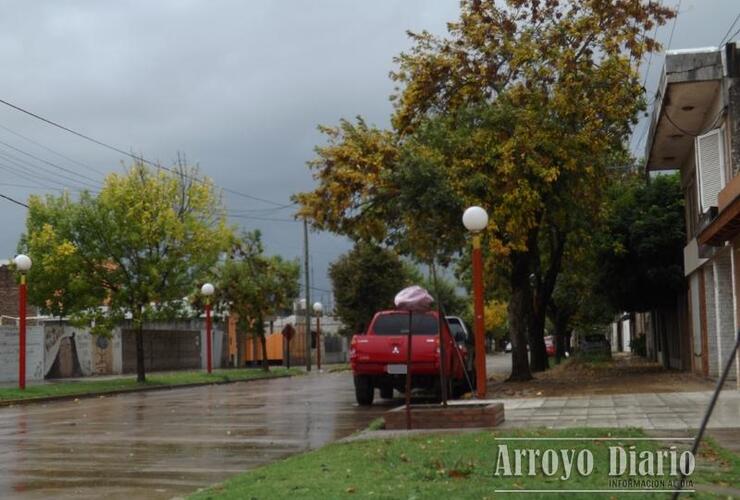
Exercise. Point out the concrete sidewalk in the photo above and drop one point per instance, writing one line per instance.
(676, 410)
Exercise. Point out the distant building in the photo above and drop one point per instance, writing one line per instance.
(695, 129)
(9, 295)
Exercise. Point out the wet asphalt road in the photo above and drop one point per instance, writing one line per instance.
(162, 444)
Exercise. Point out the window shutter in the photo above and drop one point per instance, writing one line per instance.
(710, 167)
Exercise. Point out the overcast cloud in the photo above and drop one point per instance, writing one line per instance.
(238, 87)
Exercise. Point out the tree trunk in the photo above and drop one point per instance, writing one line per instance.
(265, 361)
(545, 280)
(537, 351)
(139, 326)
(519, 305)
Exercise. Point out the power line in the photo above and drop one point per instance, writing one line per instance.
(728, 30)
(261, 211)
(675, 19)
(650, 59)
(696, 134)
(126, 153)
(13, 200)
(26, 175)
(28, 186)
(92, 183)
(270, 219)
(24, 164)
(732, 37)
(38, 144)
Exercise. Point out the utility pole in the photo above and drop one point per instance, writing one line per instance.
(308, 296)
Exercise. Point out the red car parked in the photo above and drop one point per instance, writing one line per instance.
(550, 345)
(378, 358)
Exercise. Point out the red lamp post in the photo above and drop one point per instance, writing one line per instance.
(23, 264)
(207, 290)
(317, 309)
(475, 220)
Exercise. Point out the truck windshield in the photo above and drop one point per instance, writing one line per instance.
(398, 324)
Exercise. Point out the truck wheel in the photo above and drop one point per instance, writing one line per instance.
(386, 392)
(364, 391)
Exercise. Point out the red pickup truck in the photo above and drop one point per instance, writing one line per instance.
(378, 358)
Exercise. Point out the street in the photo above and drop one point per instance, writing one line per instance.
(162, 444)
(168, 443)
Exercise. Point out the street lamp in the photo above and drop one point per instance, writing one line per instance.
(23, 264)
(207, 290)
(318, 309)
(475, 219)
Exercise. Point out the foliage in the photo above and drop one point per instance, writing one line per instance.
(138, 247)
(519, 109)
(577, 302)
(453, 303)
(495, 318)
(640, 256)
(365, 280)
(255, 286)
(638, 345)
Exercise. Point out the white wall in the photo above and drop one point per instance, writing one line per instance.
(9, 353)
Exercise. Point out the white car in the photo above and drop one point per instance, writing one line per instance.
(458, 329)
(508, 347)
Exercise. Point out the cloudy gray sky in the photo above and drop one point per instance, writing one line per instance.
(237, 86)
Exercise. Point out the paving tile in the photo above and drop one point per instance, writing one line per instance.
(574, 411)
(577, 403)
(601, 411)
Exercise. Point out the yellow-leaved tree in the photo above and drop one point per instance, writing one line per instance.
(519, 109)
(137, 248)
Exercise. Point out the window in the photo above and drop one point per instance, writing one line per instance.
(398, 324)
(710, 167)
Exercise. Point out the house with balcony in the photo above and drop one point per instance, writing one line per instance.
(695, 129)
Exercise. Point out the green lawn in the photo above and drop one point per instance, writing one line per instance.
(452, 466)
(53, 389)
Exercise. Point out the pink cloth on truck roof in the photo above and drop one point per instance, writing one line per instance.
(414, 298)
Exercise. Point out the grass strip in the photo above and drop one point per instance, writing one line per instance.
(128, 383)
(457, 466)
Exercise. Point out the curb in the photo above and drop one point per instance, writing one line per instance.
(89, 395)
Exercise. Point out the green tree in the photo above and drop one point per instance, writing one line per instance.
(138, 247)
(365, 280)
(640, 256)
(577, 302)
(518, 109)
(256, 287)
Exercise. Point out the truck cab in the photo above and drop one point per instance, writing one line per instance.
(378, 357)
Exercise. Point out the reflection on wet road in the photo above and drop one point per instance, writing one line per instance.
(166, 443)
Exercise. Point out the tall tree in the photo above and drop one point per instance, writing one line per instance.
(365, 280)
(256, 287)
(518, 109)
(640, 257)
(144, 242)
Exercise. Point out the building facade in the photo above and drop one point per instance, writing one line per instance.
(695, 129)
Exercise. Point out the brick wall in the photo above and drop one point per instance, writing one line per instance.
(734, 122)
(163, 350)
(711, 311)
(724, 304)
(9, 294)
